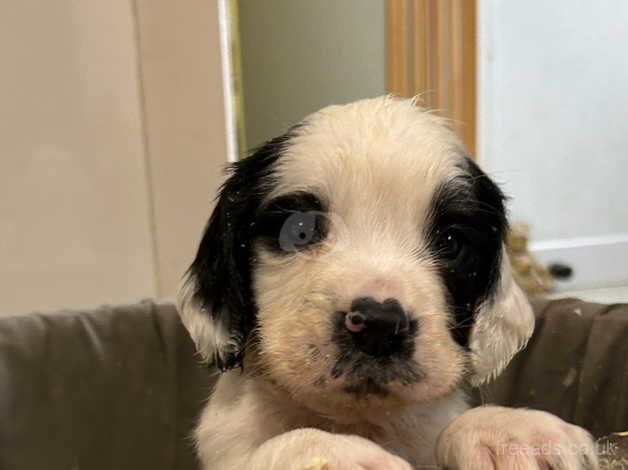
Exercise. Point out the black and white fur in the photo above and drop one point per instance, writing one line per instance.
(387, 205)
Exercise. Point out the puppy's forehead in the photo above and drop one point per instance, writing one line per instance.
(371, 150)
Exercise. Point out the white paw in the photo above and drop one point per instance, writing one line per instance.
(313, 449)
(496, 438)
(352, 453)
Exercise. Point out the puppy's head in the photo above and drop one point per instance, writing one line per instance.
(358, 260)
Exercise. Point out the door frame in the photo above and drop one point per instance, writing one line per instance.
(432, 53)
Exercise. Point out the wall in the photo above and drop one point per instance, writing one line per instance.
(184, 124)
(74, 227)
(299, 56)
(107, 174)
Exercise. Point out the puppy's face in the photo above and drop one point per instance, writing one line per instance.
(357, 261)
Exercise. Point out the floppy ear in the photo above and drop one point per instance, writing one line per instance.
(503, 325)
(503, 320)
(215, 300)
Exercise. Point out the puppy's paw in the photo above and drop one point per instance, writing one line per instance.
(354, 453)
(312, 449)
(496, 438)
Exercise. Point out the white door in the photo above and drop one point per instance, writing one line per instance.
(553, 128)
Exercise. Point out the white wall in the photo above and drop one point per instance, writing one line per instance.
(553, 124)
(301, 55)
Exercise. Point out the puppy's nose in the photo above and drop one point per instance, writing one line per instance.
(378, 328)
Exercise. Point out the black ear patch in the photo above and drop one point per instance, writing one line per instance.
(465, 232)
(221, 270)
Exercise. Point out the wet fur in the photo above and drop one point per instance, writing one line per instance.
(395, 177)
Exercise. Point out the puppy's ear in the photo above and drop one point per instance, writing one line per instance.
(502, 318)
(216, 300)
(503, 325)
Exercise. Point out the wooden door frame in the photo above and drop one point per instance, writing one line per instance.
(431, 52)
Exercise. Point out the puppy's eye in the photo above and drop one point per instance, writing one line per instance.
(291, 222)
(299, 230)
(450, 244)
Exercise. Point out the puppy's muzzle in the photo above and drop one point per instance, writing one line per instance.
(377, 328)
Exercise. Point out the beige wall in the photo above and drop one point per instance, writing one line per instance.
(106, 174)
(185, 130)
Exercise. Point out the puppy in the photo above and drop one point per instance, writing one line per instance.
(353, 274)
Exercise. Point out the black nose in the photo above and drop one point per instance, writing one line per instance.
(378, 329)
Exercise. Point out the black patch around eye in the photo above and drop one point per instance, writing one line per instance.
(465, 231)
(291, 222)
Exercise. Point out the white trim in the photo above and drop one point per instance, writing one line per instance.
(604, 295)
(487, 109)
(227, 81)
(579, 242)
(596, 261)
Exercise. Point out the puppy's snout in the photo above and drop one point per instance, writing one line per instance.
(378, 328)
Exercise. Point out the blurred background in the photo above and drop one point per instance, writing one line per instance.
(117, 117)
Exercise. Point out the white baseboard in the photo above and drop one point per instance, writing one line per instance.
(596, 261)
(602, 295)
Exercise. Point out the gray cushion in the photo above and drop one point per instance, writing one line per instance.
(121, 388)
(113, 388)
(575, 366)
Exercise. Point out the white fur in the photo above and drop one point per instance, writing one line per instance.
(377, 164)
(209, 337)
(252, 425)
(493, 437)
(502, 329)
